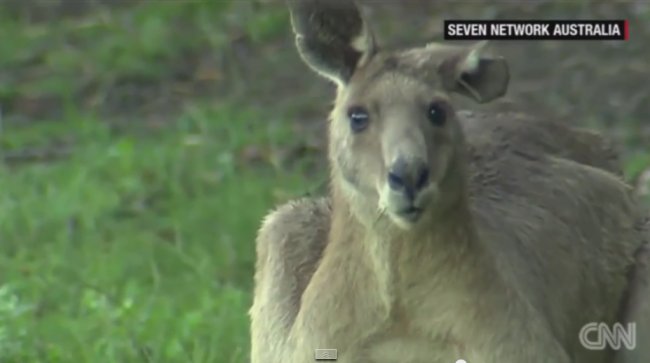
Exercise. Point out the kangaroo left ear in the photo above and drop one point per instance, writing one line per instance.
(331, 36)
(474, 74)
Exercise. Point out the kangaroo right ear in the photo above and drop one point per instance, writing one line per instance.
(331, 37)
(472, 73)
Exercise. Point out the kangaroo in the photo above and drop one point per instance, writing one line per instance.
(446, 234)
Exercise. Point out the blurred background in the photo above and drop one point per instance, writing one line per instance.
(141, 143)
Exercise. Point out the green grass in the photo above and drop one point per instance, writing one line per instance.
(136, 249)
(81, 60)
(137, 246)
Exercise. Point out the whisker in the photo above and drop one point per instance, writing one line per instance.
(381, 213)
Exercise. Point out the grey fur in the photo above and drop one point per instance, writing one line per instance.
(529, 230)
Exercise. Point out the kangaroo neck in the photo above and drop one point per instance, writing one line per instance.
(444, 248)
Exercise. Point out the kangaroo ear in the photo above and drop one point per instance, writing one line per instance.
(331, 36)
(472, 73)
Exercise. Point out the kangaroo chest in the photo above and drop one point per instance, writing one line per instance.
(426, 320)
(412, 338)
(425, 325)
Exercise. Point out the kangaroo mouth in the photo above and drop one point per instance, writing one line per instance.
(411, 213)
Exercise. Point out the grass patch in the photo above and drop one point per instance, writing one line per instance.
(133, 246)
(136, 248)
(92, 61)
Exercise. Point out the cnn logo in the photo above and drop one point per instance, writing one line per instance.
(596, 336)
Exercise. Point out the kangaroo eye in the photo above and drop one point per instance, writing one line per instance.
(437, 114)
(359, 118)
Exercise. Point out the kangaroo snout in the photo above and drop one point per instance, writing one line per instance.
(408, 177)
(408, 190)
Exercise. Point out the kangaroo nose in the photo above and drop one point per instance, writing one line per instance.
(409, 177)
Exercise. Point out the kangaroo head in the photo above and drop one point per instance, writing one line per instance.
(394, 137)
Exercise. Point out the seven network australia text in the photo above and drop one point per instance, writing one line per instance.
(536, 29)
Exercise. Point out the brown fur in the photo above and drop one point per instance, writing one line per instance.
(527, 231)
(636, 306)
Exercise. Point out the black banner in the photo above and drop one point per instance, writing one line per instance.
(536, 30)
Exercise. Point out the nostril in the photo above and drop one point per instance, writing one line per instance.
(395, 181)
(423, 179)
